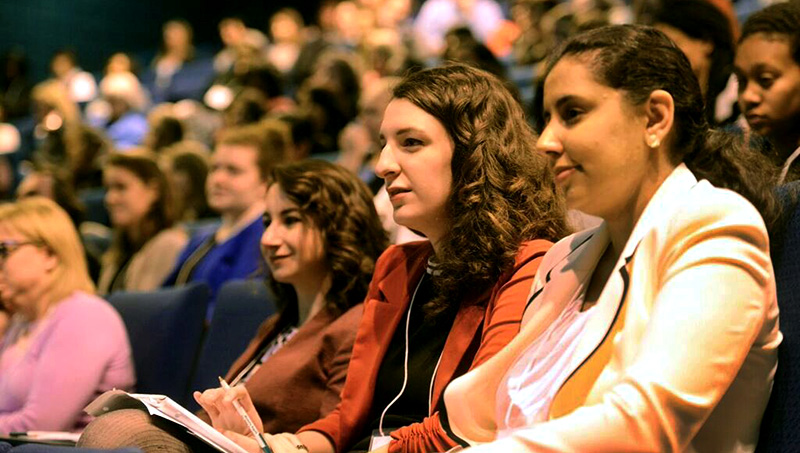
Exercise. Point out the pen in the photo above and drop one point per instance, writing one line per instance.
(259, 438)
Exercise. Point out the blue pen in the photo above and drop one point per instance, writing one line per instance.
(259, 438)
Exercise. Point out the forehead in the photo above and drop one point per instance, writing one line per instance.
(572, 76)
(243, 155)
(764, 49)
(117, 172)
(402, 114)
(277, 200)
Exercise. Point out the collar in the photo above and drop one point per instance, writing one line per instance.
(668, 197)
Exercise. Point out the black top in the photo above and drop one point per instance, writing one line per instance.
(426, 339)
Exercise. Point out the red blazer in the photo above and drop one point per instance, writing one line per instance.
(301, 382)
(479, 331)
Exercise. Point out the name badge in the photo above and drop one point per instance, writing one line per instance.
(377, 441)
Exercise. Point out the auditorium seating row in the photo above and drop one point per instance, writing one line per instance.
(174, 352)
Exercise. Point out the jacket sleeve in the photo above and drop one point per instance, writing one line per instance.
(502, 323)
(715, 293)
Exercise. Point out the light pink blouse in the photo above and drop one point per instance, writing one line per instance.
(79, 350)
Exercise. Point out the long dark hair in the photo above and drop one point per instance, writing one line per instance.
(638, 60)
(340, 205)
(161, 214)
(503, 191)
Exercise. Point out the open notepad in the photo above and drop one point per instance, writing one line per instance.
(164, 407)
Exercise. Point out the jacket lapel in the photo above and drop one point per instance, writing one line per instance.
(596, 343)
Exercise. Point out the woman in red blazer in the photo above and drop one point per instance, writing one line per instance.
(460, 168)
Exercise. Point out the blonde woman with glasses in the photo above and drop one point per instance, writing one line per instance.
(63, 345)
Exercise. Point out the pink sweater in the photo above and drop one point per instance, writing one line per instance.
(79, 350)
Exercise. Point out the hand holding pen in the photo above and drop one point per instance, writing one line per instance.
(221, 406)
(250, 425)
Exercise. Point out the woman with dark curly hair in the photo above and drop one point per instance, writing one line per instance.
(321, 241)
(460, 168)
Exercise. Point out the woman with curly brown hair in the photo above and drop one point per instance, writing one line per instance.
(321, 240)
(460, 168)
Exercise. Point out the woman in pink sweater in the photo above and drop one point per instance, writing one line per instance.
(63, 345)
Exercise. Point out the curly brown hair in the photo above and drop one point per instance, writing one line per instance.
(503, 191)
(340, 206)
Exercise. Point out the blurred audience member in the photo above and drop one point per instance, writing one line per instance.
(767, 65)
(15, 87)
(164, 129)
(705, 36)
(80, 85)
(145, 245)
(64, 346)
(121, 62)
(235, 189)
(186, 166)
(536, 37)
(462, 47)
(360, 142)
(286, 28)
(436, 17)
(236, 36)
(62, 139)
(50, 182)
(120, 112)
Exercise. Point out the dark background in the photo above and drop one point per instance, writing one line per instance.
(95, 29)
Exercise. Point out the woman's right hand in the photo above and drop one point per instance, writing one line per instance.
(218, 403)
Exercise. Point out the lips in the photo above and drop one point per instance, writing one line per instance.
(562, 172)
(395, 192)
(756, 121)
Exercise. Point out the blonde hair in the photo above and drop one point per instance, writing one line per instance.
(42, 220)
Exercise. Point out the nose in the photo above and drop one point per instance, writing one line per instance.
(269, 239)
(549, 143)
(750, 96)
(387, 167)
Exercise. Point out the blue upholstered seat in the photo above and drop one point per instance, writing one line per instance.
(165, 329)
(242, 305)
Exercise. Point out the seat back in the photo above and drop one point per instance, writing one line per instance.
(780, 428)
(242, 305)
(165, 328)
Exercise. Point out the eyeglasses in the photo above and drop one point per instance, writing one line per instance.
(9, 247)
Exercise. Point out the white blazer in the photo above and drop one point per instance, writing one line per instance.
(681, 349)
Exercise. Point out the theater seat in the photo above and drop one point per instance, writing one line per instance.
(242, 305)
(165, 328)
(780, 429)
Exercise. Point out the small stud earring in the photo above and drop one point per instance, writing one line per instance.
(653, 141)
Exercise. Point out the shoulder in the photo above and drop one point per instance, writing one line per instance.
(170, 236)
(82, 309)
(531, 250)
(707, 203)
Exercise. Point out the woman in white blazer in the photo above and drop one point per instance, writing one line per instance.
(658, 330)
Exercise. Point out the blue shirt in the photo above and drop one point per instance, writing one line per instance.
(238, 258)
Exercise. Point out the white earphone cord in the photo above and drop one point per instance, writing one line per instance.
(405, 367)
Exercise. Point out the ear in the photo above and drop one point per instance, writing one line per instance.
(660, 112)
(153, 190)
(51, 261)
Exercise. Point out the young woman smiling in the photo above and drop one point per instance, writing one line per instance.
(321, 240)
(460, 168)
(657, 330)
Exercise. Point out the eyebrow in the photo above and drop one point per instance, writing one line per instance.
(565, 99)
(289, 211)
(405, 130)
